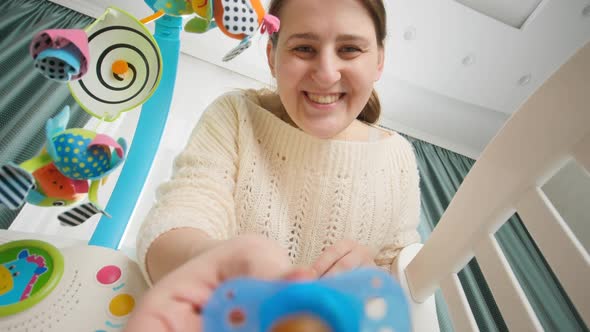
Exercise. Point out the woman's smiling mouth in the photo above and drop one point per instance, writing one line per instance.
(323, 98)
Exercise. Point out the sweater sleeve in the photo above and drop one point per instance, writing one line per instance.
(409, 211)
(200, 192)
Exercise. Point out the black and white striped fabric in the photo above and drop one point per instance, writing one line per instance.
(237, 50)
(15, 184)
(78, 215)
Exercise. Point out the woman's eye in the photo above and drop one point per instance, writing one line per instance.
(303, 49)
(350, 49)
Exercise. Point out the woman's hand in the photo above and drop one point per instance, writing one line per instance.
(343, 256)
(175, 302)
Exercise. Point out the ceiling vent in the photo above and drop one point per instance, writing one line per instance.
(513, 13)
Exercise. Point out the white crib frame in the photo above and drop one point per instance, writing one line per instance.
(550, 129)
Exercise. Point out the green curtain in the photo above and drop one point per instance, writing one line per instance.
(442, 172)
(27, 99)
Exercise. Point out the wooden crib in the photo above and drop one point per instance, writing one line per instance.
(550, 129)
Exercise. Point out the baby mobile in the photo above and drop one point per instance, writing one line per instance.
(111, 67)
(237, 19)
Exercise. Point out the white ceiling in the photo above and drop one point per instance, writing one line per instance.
(452, 73)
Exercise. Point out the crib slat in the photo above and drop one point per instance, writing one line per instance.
(531, 146)
(511, 299)
(582, 153)
(458, 305)
(565, 254)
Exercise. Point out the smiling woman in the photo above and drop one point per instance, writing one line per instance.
(298, 177)
(323, 63)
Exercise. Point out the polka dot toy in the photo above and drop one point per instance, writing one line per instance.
(60, 55)
(112, 66)
(174, 7)
(77, 159)
(82, 154)
(56, 68)
(73, 165)
(238, 19)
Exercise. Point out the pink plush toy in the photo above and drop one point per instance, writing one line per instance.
(61, 55)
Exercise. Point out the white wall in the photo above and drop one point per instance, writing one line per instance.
(449, 123)
(569, 191)
(198, 83)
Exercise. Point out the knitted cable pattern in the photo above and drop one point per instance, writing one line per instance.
(244, 170)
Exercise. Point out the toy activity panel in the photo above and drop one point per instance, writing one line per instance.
(81, 288)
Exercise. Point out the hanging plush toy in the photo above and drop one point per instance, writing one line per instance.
(60, 55)
(124, 68)
(112, 66)
(60, 174)
(236, 19)
(172, 7)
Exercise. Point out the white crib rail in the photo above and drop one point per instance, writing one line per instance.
(456, 300)
(551, 128)
(510, 298)
(567, 257)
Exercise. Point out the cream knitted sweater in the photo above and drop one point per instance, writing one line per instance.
(244, 170)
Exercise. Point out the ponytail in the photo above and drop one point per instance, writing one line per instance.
(372, 110)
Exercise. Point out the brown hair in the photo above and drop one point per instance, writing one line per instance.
(376, 9)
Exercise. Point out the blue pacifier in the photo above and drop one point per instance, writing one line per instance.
(367, 300)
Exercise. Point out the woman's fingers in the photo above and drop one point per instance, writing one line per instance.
(165, 314)
(343, 256)
(175, 301)
(353, 260)
(332, 255)
(301, 274)
(253, 256)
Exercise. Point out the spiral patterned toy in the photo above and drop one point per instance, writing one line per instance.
(125, 66)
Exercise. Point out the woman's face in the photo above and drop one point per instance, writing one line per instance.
(326, 61)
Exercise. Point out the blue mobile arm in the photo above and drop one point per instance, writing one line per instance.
(146, 140)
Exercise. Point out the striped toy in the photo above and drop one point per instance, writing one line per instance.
(71, 167)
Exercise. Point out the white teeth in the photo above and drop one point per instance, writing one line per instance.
(324, 99)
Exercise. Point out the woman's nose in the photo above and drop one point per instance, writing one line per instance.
(326, 71)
